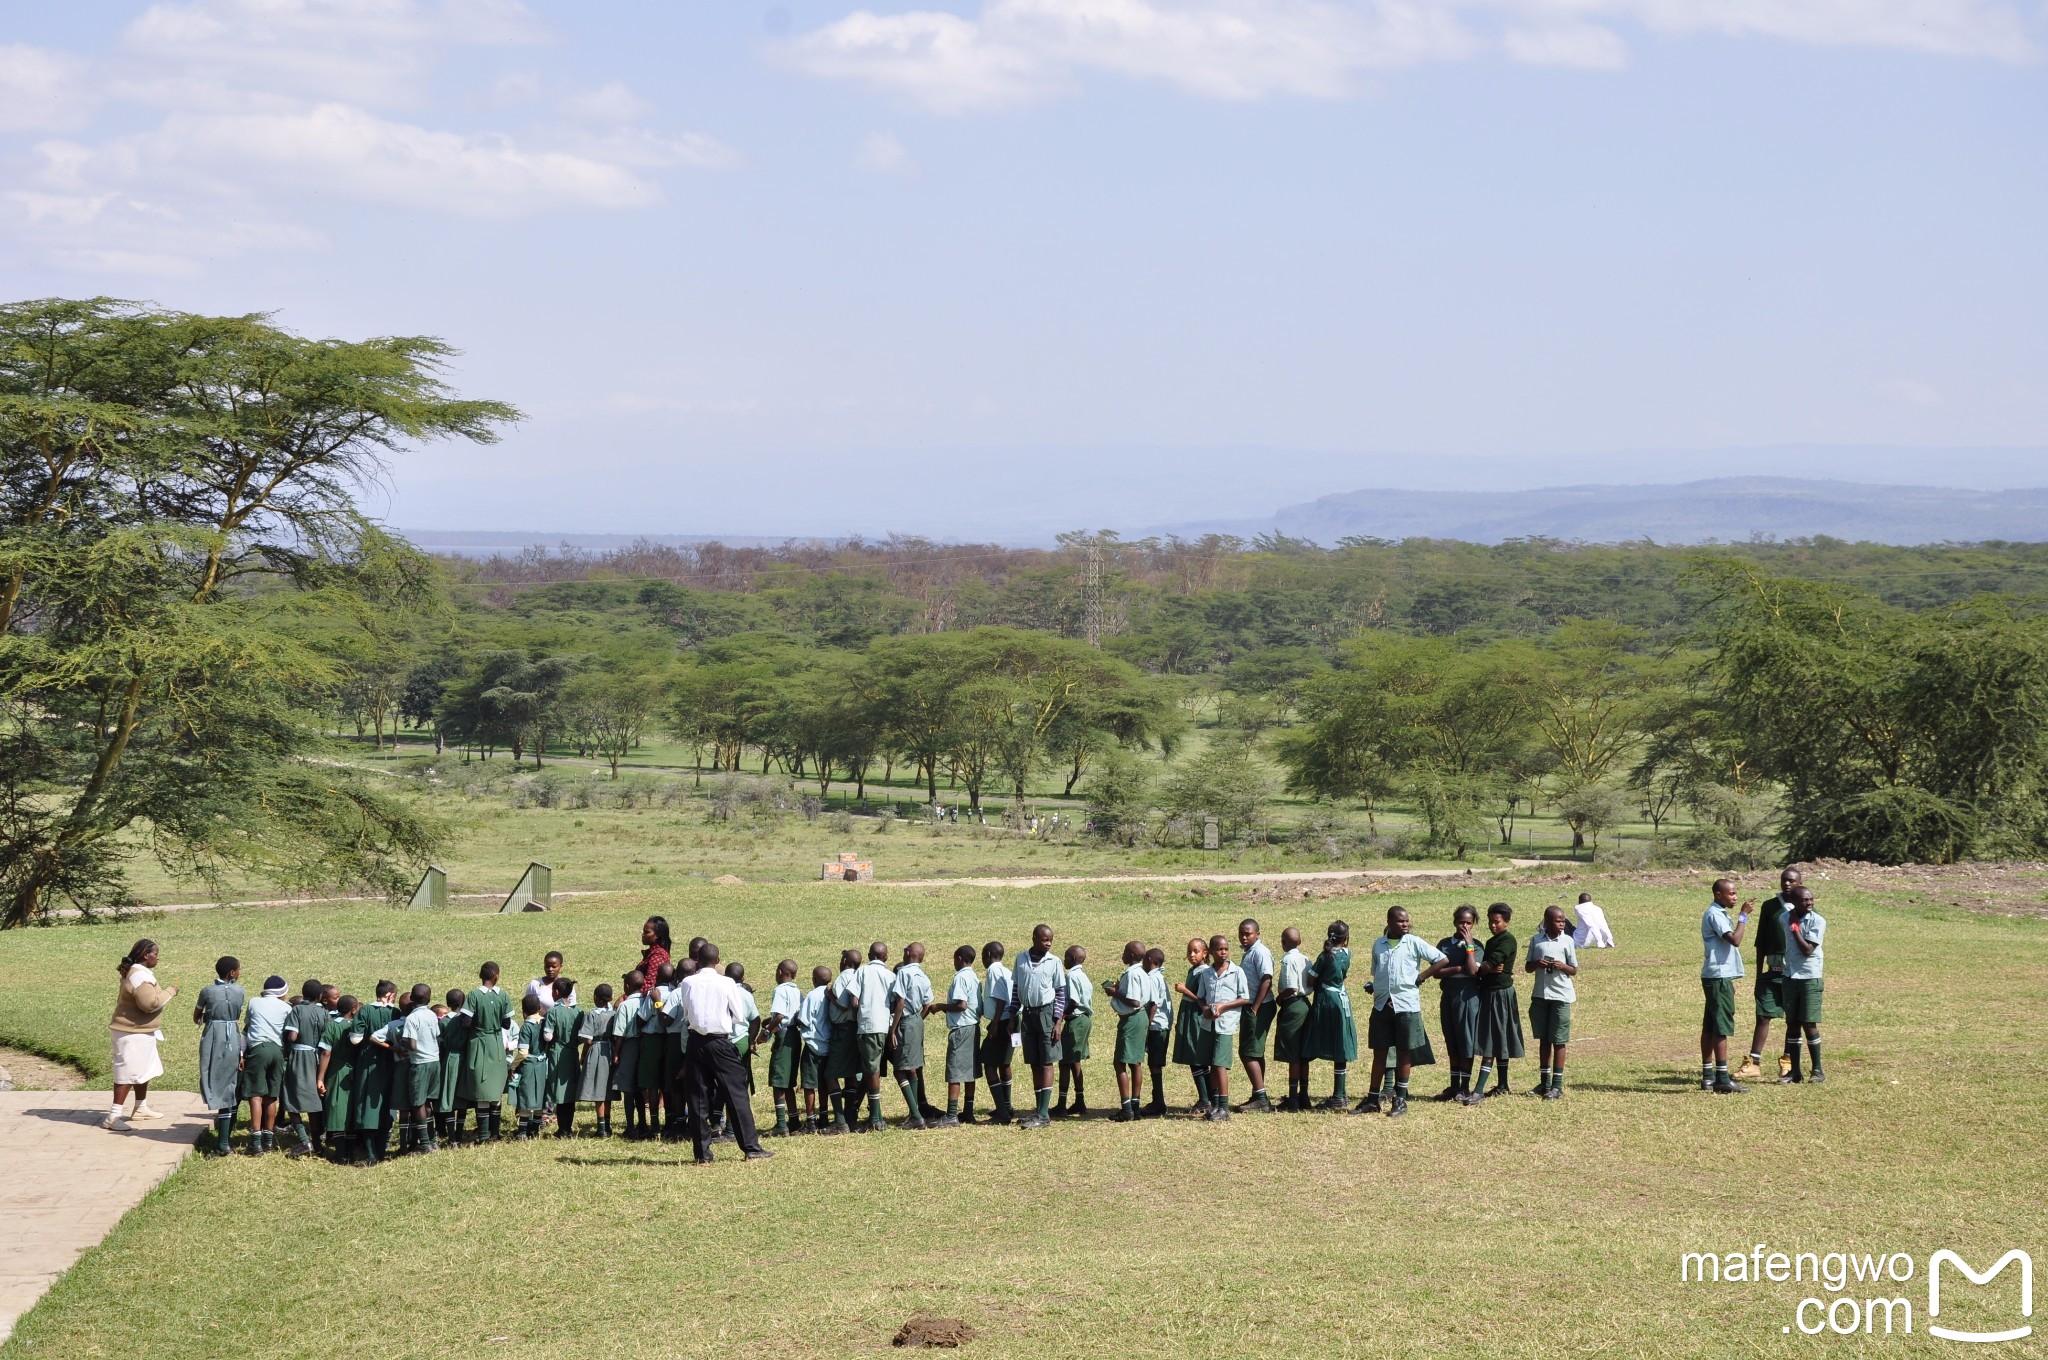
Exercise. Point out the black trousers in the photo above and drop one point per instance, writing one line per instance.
(718, 1080)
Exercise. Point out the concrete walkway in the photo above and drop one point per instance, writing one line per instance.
(68, 1181)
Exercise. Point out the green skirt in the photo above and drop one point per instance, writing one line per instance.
(1331, 1036)
(1290, 1032)
(302, 1079)
(1500, 1023)
(1190, 1046)
(1458, 1012)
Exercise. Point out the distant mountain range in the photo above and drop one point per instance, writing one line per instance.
(1721, 509)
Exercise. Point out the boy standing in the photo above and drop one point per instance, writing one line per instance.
(785, 1056)
(1770, 976)
(1722, 941)
(814, 1020)
(1554, 960)
(1130, 999)
(559, 1030)
(963, 1035)
(872, 992)
(1396, 1023)
(1804, 929)
(1160, 1001)
(842, 1064)
(1074, 1042)
(263, 1062)
(912, 997)
(1258, 1016)
(1039, 1007)
(996, 1046)
(1290, 1031)
(1226, 993)
(419, 1069)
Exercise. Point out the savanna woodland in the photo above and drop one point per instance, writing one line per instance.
(216, 665)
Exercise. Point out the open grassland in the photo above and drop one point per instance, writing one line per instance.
(1517, 1229)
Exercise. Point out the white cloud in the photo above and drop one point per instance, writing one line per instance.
(612, 102)
(1017, 52)
(882, 153)
(40, 89)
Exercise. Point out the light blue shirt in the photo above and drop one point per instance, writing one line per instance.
(1130, 984)
(1080, 992)
(1801, 966)
(811, 1015)
(874, 982)
(788, 997)
(1258, 966)
(1161, 997)
(750, 1011)
(1040, 981)
(966, 989)
(1396, 966)
(995, 991)
(422, 1031)
(1551, 986)
(1293, 972)
(1724, 960)
(1223, 986)
(915, 989)
(264, 1021)
(845, 1006)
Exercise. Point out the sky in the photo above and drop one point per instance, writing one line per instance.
(989, 268)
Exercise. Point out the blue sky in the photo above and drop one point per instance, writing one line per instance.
(804, 267)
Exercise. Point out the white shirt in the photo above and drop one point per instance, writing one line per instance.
(713, 1003)
(545, 990)
(1592, 931)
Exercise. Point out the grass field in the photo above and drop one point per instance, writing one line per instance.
(1521, 1228)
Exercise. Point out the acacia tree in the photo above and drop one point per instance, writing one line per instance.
(181, 534)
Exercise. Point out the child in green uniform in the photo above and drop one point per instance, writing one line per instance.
(1290, 1025)
(962, 1009)
(1130, 999)
(1160, 998)
(558, 1031)
(454, 1040)
(785, 1053)
(371, 1112)
(1074, 1038)
(1721, 939)
(530, 1070)
(626, 1054)
(337, 1078)
(1769, 991)
(745, 1031)
(218, 1013)
(1399, 1041)
(416, 1044)
(873, 993)
(263, 1061)
(814, 1018)
(1192, 1031)
(1500, 1016)
(1554, 960)
(1331, 1035)
(1257, 962)
(1804, 930)
(301, 1101)
(913, 997)
(484, 1070)
(1038, 1005)
(997, 1052)
(1458, 1007)
(594, 1058)
(1226, 994)
(842, 1063)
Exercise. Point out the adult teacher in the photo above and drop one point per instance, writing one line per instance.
(137, 1028)
(713, 1006)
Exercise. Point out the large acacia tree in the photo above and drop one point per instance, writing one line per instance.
(180, 548)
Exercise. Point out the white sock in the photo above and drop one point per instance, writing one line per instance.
(114, 1111)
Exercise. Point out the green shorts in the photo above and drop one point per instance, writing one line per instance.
(874, 1054)
(1401, 1030)
(1550, 1020)
(1156, 1043)
(422, 1083)
(1290, 1032)
(1130, 1038)
(960, 1045)
(842, 1058)
(1035, 1023)
(1802, 1001)
(1252, 1026)
(1217, 1048)
(1719, 1017)
(1074, 1038)
(263, 1072)
(908, 1055)
(785, 1061)
(997, 1053)
(1770, 996)
(810, 1068)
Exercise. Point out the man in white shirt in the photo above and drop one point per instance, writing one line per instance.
(713, 1005)
(1592, 931)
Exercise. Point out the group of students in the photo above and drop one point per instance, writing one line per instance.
(404, 1073)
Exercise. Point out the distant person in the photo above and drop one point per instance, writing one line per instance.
(136, 1029)
(873, 991)
(996, 1050)
(1769, 989)
(219, 1015)
(337, 1080)
(417, 1041)
(1226, 993)
(1257, 1021)
(1130, 1001)
(1554, 962)
(1721, 939)
(301, 1099)
(1500, 1016)
(544, 985)
(1804, 930)
(1592, 931)
(785, 1051)
(372, 1110)
(454, 1040)
(814, 1020)
(1038, 1007)
(1191, 1041)
(594, 1059)
(484, 1067)
(842, 1064)
(562, 1022)
(626, 1052)
(745, 1030)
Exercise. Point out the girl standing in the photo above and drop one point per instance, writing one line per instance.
(219, 1015)
(1330, 1034)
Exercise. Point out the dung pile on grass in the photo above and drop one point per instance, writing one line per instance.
(933, 1331)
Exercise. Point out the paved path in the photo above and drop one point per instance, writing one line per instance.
(1305, 876)
(68, 1181)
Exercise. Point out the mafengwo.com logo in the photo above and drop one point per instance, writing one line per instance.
(1874, 1294)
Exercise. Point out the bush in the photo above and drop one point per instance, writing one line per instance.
(1119, 800)
(1229, 785)
(840, 822)
(1887, 826)
(739, 798)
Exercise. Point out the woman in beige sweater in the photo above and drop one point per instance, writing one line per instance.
(137, 1029)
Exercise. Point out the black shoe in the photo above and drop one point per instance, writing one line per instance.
(1078, 1110)
(1256, 1105)
(1554, 1093)
(1790, 1079)
(932, 1113)
(298, 1150)
(1369, 1105)
(759, 1154)
(1500, 1090)
(1218, 1114)
(1035, 1121)
(1059, 1112)
(944, 1121)
(1818, 1075)
(1156, 1110)
(1729, 1088)
(704, 1161)
(1448, 1093)
(1398, 1107)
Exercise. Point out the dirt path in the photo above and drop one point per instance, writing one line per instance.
(69, 1181)
(1310, 876)
(145, 908)
(21, 1071)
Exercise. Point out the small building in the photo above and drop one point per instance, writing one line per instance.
(847, 868)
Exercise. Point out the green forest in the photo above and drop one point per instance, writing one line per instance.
(202, 632)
